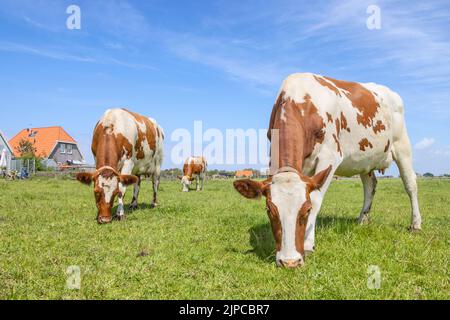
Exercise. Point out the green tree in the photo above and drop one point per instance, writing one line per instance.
(27, 151)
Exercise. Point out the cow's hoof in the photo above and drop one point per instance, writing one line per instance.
(415, 228)
(309, 253)
(120, 217)
(153, 205)
(133, 206)
(309, 249)
(364, 220)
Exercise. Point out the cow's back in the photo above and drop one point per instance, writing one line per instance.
(194, 166)
(359, 121)
(137, 139)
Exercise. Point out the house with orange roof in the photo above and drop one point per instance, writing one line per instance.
(49, 143)
(244, 174)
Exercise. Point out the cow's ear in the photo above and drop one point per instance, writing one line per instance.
(127, 180)
(85, 178)
(251, 189)
(317, 182)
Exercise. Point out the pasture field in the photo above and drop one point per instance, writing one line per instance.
(217, 245)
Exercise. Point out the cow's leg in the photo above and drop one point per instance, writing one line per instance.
(120, 214)
(127, 169)
(316, 201)
(137, 188)
(369, 181)
(156, 180)
(198, 182)
(203, 177)
(403, 158)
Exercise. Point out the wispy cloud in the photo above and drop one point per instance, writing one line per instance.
(424, 143)
(63, 55)
(227, 56)
(47, 53)
(445, 152)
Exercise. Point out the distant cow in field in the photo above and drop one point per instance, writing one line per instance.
(321, 127)
(194, 169)
(126, 146)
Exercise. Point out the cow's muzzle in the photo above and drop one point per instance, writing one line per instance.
(290, 264)
(104, 219)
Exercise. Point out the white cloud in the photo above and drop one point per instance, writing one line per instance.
(424, 143)
(442, 152)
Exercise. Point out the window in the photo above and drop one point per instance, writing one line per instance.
(63, 148)
(69, 149)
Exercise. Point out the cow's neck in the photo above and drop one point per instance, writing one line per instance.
(298, 128)
(107, 154)
(291, 148)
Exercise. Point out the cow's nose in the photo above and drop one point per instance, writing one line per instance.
(291, 264)
(104, 219)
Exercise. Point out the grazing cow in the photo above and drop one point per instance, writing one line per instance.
(322, 127)
(194, 169)
(126, 146)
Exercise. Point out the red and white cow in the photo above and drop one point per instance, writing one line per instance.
(126, 146)
(322, 127)
(194, 169)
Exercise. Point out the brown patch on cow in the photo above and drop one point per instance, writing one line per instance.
(382, 171)
(148, 135)
(191, 168)
(344, 124)
(275, 222)
(338, 144)
(328, 85)
(387, 146)
(364, 143)
(302, 221)
(330, 117)
(378, 127)
(361, 98)
(299, 133)
(104, 147)
(338, 127)
(123, 146)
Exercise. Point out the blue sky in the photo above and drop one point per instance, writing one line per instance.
(221, 62)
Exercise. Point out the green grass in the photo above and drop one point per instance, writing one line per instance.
(217, 245)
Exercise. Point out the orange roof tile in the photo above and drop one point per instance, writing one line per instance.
(44, 139)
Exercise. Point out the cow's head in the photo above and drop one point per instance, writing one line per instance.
(288, 206)
(186, 181)
(106, 187)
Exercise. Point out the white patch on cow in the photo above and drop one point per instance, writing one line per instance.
(195, 160)
(288, 193)
(283, 114)
(108, 185)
